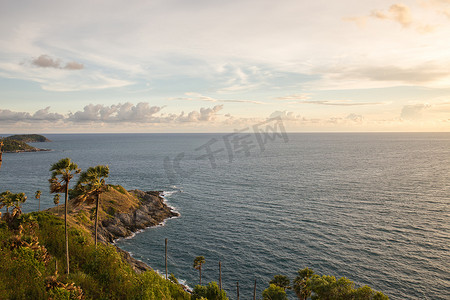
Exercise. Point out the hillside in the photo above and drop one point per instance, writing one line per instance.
(17, 146)
(12, 146)
(32, 249)
(28, 138)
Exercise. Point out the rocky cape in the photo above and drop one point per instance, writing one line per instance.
(14, 146)
(152, 211)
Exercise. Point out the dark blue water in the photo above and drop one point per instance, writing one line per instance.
(372, 207)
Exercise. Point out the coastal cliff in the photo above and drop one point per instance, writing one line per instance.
(152, 211)
(121, 214)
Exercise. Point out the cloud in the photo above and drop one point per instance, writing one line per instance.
(199, 97)
(440, 6)
(204, 115)
(305, 99)
(413, 112)
(127, 112)
(355, 118)
(286, 116)
(399, 13)
(45, 61)
(424, 74)
(8, 116)
(141, 113)
(74, 66)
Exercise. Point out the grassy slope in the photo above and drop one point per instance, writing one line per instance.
(81, 215)
(28, 256)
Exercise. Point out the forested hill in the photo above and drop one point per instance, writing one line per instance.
(28, 138)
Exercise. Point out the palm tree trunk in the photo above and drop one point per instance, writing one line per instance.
(39, 204)
(96, 218)
(200, 271)
(65, 227)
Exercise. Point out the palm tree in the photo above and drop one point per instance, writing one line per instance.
(38, 197)
(56, 200)
(17, 200)
(9, 199)
(198, 262)
(62, 172)
(6, 199)
(92, 184)
(301, 287)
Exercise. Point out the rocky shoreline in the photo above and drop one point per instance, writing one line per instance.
(28, 150)
(152, 211)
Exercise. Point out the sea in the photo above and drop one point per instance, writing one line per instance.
(373, 207)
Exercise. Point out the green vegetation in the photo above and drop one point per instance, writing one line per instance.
(198, 262)
(34, 252)
(62, 172)
(281, 281)
(18, 143)
(28, 138)
(119, 188)
(37, 195)
(308, 285)
(32, 247)
(274, 292)
(92, 184)
(16, 146)
(210, 292)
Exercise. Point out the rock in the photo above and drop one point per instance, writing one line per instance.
(151, 212)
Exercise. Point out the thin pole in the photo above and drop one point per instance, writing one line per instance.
(166, 258)
(65, 226)
(237, 287)
(220, 275)
(254, 291)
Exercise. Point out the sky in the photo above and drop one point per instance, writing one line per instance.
(223, 66)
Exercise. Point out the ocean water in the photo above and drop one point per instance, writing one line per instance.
(373, 207)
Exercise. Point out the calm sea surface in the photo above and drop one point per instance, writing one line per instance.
(372, 207)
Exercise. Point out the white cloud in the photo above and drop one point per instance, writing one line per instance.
(8, 116)
(413, 112)
(141, 113)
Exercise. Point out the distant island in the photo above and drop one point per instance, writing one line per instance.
(18, 143)
(28, 138)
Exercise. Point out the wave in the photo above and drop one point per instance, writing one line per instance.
(167, 194)
(182, 282)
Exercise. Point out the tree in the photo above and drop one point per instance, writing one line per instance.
(281, 281)
(92, 184)
(37, 195)
(17, 200)
(301, 287)
(210, 292)
(198, 262)
(56, 200)
(309, 285)
(274, 292)
(62, 172)
(6, 200)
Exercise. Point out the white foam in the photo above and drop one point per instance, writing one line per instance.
(180, 281)
(165, 195)
(183, 283)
